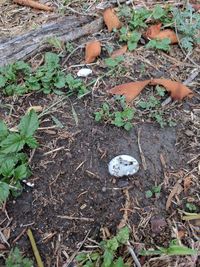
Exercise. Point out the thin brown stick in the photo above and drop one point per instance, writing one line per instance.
(33, 4)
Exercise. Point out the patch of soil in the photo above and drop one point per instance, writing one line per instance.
(74, 182)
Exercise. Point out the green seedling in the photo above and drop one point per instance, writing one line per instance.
(187, 24)
(120, 118)
(56, 43)
(174, 249)
(15, 259)
(69, 47)
(191, 207)
(163, 44)
(153, 106)
(113, 62)
(18, 78)
(13, 161)
(131, 38)
(155, 191)
(106, 255)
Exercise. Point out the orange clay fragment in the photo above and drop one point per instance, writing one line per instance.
(92, 51)
(119, 52)
(111, 20)
(154, 32)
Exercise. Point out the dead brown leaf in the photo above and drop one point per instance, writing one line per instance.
(181, 234)
(177, 90)
(119, 51)
(154, 32)
(6, 233)
(35, 108)
(187, 183)
(175, 191)
(92, 51)
(111, 20)
(129, 90)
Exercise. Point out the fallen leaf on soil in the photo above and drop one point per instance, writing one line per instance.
(154, 32)
(175, 191)
(157, 224)
(177, 90)
(33, 4)
(6, 233)
(181, 234)
(92, 51)
(187, 183)
(119, 52)
(35, 108)
(111, 20)
(131, 90)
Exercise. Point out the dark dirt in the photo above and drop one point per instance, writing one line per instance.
(75, 182)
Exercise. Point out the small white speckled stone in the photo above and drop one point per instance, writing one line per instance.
(84, 72)
(123, 165)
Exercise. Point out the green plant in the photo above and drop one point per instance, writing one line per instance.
(56, 43)
(187, 23)
(132, 38)
(153, 106)
(75, 86)
(120, 116)
(14, 163)
(69, 47)
(113, 62)
(106, 256)
(163, 44)
(191, 207)
(155, 190)
(139, 17)
(173, 249)
(18, 78)
(15, 259)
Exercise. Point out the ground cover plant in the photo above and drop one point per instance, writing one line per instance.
(140, 98)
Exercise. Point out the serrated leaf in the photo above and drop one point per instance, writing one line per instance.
(3, 130)
(21, 172)
(112, 244)
(4, 192)
(7, 168)
(51, 59)
(29, 124)
(158, 12)
(13, 143)
(107, 258)
(31, 142)
(123, 235)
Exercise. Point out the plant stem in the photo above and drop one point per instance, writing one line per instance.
(34, 248)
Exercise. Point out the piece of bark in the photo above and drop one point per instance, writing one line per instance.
(66, 29)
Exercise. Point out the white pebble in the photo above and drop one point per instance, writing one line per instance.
(84, 72)
(123, 165)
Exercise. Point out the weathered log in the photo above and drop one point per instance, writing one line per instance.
(66, 29)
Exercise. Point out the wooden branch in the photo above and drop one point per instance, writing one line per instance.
(66, 29)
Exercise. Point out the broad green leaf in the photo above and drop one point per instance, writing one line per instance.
(107, 258)
(158, 12)
(60, 81)
(94, 256)
(81, 257)
(31, 142)
(13, 143)
(7, 168)
(3, 130)
(123, 235)
(29, 124)
(51, 59)
(21, 172)
(118, 263)
(4, 192)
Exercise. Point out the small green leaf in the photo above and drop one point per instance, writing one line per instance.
(2, 81)
(128, 126)
(21, 172)
(29, 124)
(107, 258)
(81, 257)
(158, 12)
(148, 194)
(31, 142)
(98, 116)
(94, 256)
(4, 192)
(112, 244)
(3, 130)
(7, 168)
(123, 235)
